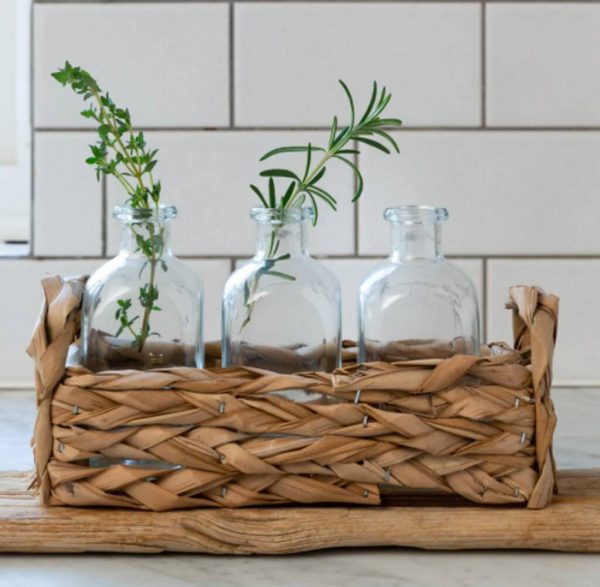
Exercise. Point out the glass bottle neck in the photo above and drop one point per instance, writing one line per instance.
(136, 236)
(416, 241)
(277, 239)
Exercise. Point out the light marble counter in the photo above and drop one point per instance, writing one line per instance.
(577, 445)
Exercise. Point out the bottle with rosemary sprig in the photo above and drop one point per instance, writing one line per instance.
(142, 309)
(281, 311)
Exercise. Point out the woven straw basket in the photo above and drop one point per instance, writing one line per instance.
(476, 427)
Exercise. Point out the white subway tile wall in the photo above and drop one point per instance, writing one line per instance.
(207, 175)
(66, 194)
(428, 54)
(168, 62)
(578, 283)
(499, 99)
(543, 64)
(508, 193)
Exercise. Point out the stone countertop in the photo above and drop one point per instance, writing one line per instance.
(577, 445)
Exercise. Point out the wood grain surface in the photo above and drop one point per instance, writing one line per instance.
(571, 523)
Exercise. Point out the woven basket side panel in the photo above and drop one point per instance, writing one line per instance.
(535, 320)
(55, 329)
(243, 445)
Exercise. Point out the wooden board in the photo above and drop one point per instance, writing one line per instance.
(571, 523)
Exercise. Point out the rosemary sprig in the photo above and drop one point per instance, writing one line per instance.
(369, 129)
(122, 152)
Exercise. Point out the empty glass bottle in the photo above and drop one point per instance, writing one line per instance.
(281, 311)
(417, 304)
(143, 309)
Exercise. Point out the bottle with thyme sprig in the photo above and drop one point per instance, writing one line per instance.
(281, 311)
(142, 309)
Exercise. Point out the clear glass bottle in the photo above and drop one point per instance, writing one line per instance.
(143, 309)
(281, 311)
(417, 304)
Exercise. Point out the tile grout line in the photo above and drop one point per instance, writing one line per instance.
(110, 2)
(404, 129)
(356, 207)
(103, 215)
(483, 57)
(484, 300)
(32, 139)
(332, 257)
(231, 64)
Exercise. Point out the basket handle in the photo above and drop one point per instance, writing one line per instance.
(535, 319)
(56, 328)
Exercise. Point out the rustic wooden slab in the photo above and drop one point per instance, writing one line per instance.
(571, 523)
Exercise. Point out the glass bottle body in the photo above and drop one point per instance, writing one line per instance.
(143, 309)
(281, 310)
(417, 304)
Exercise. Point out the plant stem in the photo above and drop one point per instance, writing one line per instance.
(115, 132)
(300, 186)
(148, 308)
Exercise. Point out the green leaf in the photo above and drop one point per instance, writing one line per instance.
(279, 173)
(288, 194)
(299, 149)
(325, 196)
(358, 175)
(61, 76)
(351, 101)
(272, 197)
(343, 136)
(281, 275)
(317, 177)
(308, 160)
(103, 130)
(374, 144)
(388, 137)
(390, 122)
(365, 116)
(333, 132)
(259, 194)
(315, 207)
(383, 102)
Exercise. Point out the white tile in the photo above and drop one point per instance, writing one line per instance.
(20, 303)
(214, 274)
(542, 64)
(167, 62)
(352, 272)
(21, 298)
(206, 175)
(577, 283)
(288, 57)
(67, 207)
(507, 192)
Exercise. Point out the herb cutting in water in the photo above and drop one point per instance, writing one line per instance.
(303, 187)
(122, 152)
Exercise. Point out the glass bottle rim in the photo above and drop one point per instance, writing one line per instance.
(129, 215)
(416, 214)
(282, 215)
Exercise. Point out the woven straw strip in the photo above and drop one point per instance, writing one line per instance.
(480, 427)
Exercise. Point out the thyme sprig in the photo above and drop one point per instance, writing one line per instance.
(122, 152)
(304, 187)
